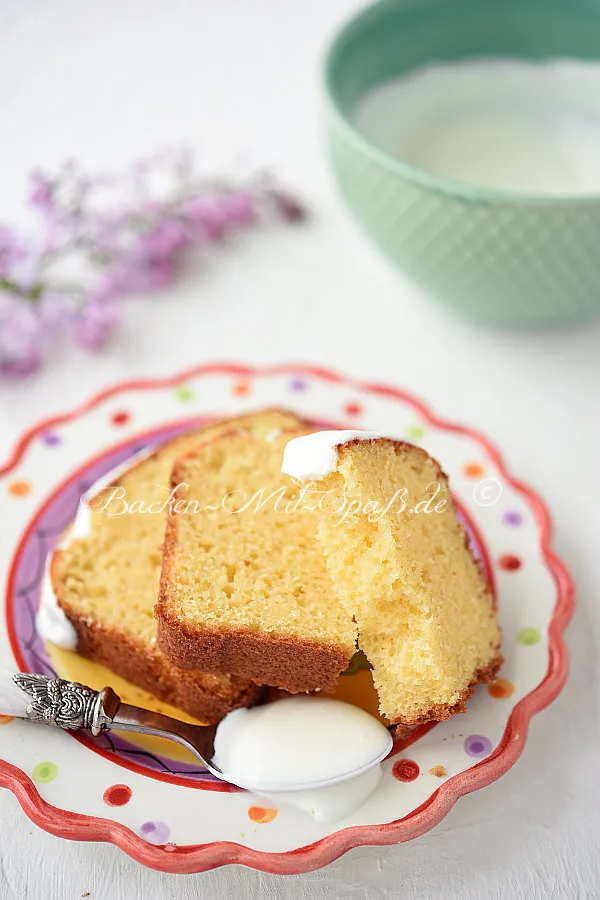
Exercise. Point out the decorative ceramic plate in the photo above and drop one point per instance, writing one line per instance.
(163, 809)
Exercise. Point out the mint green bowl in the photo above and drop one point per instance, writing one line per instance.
(497, 256)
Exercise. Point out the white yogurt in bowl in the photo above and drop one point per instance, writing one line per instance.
(508, 124)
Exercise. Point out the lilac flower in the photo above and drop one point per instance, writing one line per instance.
(11, 251)
(288, 207)
(166, 241)
(207, 217)
(55, 311)
(94, 324)
(125, 278)
(240, 208)
(41, 193)
(102, 238)
(137, 275)
(162, 272)
(20, 338)
(113, 284)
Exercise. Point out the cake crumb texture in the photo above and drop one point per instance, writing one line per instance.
(424, 611)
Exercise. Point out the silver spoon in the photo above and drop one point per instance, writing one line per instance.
(70, 705)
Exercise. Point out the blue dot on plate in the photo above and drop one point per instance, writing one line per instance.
(155, 832)
(512, 518)
(51, 439)
(477, 745)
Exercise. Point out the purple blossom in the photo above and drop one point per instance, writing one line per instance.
(55, 311)
(41, 192)
(20, 338)
(94, 324)
(11, 251)
(115, 283)
(288, 207)
(161, 273)
(240, 208)
(207, 216)
(136, 276)
(101, 238)
(166, 241)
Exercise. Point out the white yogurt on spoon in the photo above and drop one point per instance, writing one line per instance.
(315, 753)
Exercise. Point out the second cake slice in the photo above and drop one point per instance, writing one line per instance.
(245, 587)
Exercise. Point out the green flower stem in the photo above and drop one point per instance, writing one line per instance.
(33, 293)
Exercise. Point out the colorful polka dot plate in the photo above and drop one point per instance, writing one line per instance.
(163, 810)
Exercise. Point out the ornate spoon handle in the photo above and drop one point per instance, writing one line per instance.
(53, 701)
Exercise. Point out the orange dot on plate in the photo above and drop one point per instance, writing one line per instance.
(438, 772)
(261, 815)
(241, 387)
(473, 470)
(19, 488)
(501, 688)
(4, 720)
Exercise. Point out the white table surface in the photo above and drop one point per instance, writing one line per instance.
(108, 81)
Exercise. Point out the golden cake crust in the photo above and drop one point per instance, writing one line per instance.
(200, 694)
(289, 663)
(483, 675)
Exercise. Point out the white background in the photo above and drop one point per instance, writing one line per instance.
(108, 81)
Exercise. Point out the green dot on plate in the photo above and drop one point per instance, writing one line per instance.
(45, 771)
(416, 432)
(184, 393)
(529, 636)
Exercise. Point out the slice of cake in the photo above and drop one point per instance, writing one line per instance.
(401, 564)
(107, 582)
(245, 586)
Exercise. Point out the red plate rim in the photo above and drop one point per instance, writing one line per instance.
(201, 857)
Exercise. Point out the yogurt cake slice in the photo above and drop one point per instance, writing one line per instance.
(106, 583)
(245, 586)
(401, 563)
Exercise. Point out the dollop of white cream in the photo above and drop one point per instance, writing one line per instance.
(297, 743)
(312, 456)
(51, 622)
